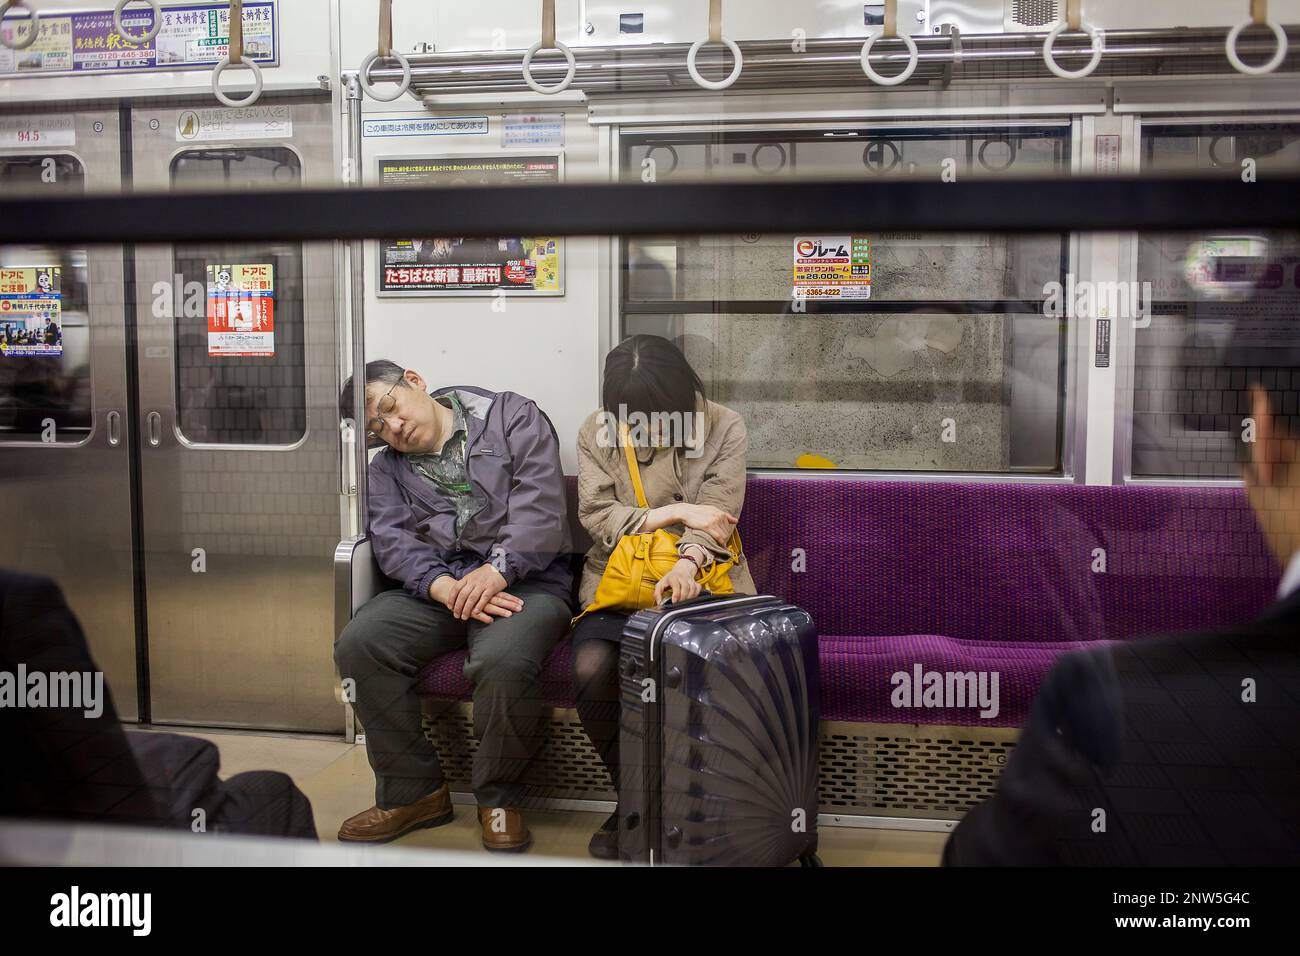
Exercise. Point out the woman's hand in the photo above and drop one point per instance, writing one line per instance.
(713, 521)
(680, 582)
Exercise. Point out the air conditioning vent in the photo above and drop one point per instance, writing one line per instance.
(1028, 16)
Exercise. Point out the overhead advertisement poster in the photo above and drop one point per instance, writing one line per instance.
(514, 265)
(241, 309)
(31, 307)
(832, 267)
(190, 37)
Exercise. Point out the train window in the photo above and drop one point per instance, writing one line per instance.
(902, 330)
(254, 168)
(29, 173)
(240, 372)
(45, 379)
(1222, 148)
(926, 153)
(1186, 408)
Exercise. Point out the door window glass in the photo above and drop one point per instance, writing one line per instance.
(240, 375)
(45, 379)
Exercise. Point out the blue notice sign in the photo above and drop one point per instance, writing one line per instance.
(427, 126)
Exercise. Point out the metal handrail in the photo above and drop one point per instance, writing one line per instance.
(357, 308)
(993, 204)
(832, 61)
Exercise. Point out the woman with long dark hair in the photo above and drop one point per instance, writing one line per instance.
(690, 455)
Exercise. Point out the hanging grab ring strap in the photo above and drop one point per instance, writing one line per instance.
(1258, 17)
(21, 41)
(236, 45)
(143, 38)
(715, 36)
(890, 31)
(1074, 22)
(548, 42)
(236, 58)
(385, 51)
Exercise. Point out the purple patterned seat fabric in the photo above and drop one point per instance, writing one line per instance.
(975, 577)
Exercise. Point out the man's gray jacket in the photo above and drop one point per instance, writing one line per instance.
(512, 459)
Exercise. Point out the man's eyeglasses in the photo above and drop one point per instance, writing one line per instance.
(375, 427)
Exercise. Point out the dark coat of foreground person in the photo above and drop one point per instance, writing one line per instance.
(63, 764)
(1166, 751)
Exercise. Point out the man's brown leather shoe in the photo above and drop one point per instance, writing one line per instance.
(380, 826)
(504, 829)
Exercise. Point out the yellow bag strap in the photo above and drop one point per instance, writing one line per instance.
(630, 454)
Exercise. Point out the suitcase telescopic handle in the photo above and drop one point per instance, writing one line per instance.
(667, 604)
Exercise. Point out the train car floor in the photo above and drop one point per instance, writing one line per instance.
(337, 778)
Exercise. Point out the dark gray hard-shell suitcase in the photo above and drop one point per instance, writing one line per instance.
(718, 738)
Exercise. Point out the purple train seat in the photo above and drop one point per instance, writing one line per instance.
(975, 577)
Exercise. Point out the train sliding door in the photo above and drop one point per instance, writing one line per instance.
(65, 493)
(240, 438)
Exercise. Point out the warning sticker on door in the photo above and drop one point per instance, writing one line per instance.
(31, 305)
(832, 267)
(241, 309)
(253, 122)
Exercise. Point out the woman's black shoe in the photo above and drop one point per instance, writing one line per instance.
(604, 843)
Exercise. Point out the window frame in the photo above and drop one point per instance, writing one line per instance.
(1071, 437)
(1125, 385)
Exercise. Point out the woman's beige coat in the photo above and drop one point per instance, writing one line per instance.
(711, 471)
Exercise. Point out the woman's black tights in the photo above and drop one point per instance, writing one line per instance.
(595, 682)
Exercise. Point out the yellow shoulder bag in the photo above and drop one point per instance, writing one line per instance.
(639, 560)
